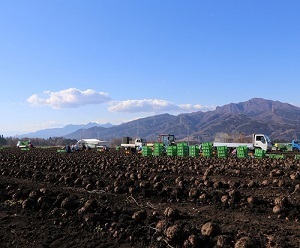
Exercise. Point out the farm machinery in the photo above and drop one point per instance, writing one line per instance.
(293, 146)
(133, 145)
(24, 145)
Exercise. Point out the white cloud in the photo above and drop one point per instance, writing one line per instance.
(154, 106)
(69, 98)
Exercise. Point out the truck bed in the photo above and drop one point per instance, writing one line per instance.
(128, 145)
(233, 145)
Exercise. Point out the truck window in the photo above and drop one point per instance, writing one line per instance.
(261, 138)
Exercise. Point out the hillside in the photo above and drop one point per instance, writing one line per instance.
(281, 121)
(59, 132)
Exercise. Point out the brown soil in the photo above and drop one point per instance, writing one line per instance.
(109, 199)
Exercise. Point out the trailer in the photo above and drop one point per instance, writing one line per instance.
(92, 143)
(132, 145)
(260, 141)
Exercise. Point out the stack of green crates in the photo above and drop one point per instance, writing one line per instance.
(207, 149)
(242, 152)
(172, 151)
(182, 149)
(146, 151)
(159, 149)
(222, 151)
(194, 151)
(259, 153)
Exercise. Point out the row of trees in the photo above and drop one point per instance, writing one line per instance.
(3, 141)
(52, 141)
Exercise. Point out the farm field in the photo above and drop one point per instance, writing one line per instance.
(109, 199)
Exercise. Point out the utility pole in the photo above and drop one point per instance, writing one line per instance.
(188, 138)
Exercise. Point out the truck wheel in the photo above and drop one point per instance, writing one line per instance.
(295, 149)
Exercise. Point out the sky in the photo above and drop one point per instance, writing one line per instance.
(113, 61)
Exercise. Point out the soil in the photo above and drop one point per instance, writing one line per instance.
(110, 199)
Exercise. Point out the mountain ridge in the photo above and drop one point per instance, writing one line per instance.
(281, 121)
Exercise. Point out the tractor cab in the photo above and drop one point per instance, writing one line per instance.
(167, 139)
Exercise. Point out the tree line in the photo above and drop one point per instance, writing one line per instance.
(51, 141)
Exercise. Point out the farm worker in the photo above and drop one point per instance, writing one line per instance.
(68, 149)
(233, 152)
(76, 147)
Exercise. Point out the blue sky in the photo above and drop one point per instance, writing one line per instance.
(73, 62)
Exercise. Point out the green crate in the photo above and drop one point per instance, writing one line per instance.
(242, 149)
(146, 148)
(272, 155)
(242, 152)
(259, 153)
(222, 151)
(277, 156)
(222, 148)
(222, 154)
(297, 156)
(182, 144)
(61, 150)
(207, 153)
(172, 148)
(194, 151)
(194, 148)
(182, 154)
(157, 144)
(146, 154)
(158, 153)
(207, 144)
(194, 154)
(171, 151)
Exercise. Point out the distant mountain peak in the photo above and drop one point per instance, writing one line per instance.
(281, 121)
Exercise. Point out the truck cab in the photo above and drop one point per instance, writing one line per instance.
(296, 145)
(167, 139)
(140, 142)
(262, 141)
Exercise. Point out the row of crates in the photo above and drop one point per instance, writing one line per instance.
(277, 156)
(181, 149)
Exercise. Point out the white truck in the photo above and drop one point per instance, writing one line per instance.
(92, 143)
(261, 141)
(133, 145)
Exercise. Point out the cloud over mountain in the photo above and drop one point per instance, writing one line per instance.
(74, 98)
(152, 105)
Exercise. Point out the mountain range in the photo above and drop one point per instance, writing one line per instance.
(60, 132)
(280, 121)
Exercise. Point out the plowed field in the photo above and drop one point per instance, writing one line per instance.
(109, 199)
